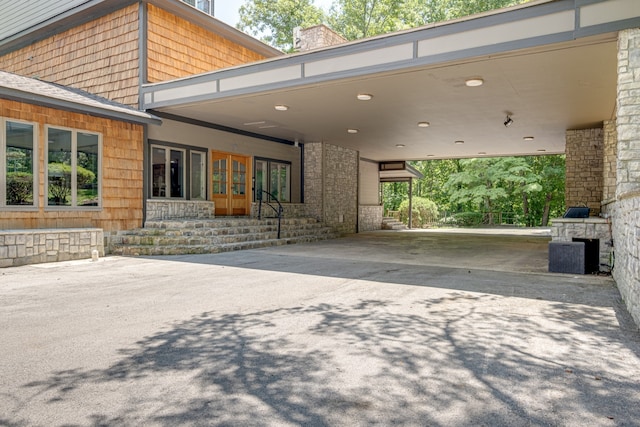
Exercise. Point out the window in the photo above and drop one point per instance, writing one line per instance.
(17, 163)
(274, 177)
(198, 175)
(167, 165)
(73, 168)
(203, 5)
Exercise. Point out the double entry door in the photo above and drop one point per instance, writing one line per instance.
(230, 191)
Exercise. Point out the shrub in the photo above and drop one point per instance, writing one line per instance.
(423, 211)
(468, 219)
(19, 188)
(60, 181)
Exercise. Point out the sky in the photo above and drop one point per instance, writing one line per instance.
(227, 10)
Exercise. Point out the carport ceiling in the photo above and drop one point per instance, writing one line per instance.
(546, 88)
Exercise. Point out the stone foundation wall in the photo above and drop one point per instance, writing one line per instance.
(370, 218)
(584, 168)
(565, 229)
(22, 247)
(179, 209)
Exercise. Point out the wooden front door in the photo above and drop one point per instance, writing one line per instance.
(231, 175)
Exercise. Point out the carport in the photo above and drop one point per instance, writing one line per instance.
(546, 77)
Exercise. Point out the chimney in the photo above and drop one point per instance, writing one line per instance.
(315, 37)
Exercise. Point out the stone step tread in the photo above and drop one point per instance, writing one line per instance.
(218, 232)
(167, 240)
(139, 250)
(225, 223)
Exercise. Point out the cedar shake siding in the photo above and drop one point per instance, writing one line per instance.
(100, 57)
(121, 172)
(178, 48)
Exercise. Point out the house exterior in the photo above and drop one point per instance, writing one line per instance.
(70, 160)
(311, 129)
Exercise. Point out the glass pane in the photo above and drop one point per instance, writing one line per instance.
(158, 167)
(239, 177)
(177, 173)
(87, 170)
(261, 179)
(219, 175)
(198, 171)
(19, 167)
(59, 167)
(205, 6)
(280, 181)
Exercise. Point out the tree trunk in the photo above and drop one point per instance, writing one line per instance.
(547, 208)
(525, 209)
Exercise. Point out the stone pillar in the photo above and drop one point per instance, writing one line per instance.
(626, 214)
(584, 168)
(331, 185)
(609, 164)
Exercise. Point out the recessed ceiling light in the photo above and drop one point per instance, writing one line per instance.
(423, 124)
(431, 155)
(474, 82)
(352, 131)
(482, 153)
(281, 107)
(255, 123)
(542, 150)
(459, 142)
(528, 138)
(364, 97)
(400, 145)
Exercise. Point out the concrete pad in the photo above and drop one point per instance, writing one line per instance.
(356, 331)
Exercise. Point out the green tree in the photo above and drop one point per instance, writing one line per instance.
(356, 19)
(488, 183)
(273, 21)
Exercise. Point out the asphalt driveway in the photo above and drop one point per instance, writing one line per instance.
(379, 328)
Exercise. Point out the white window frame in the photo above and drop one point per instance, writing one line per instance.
(3, 165)
(74, 170)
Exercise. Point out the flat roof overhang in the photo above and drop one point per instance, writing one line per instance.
(548, 65)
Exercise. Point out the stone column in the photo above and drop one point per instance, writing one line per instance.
(584, 168)
(626, 216)
(331, 185)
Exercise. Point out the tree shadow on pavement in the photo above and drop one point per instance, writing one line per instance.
(460, 360)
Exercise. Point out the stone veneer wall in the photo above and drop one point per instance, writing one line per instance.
(179, 209)
(289, 210)
(331, 185)
(609, 162)
(626, 213)
(584, 167)
(316, 37)
(370, 217)
(565, 229)
(22, 247)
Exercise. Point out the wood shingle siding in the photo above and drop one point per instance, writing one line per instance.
(178, 48)
(121, 172)
(100, 56)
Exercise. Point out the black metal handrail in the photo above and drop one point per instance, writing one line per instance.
(278, 211)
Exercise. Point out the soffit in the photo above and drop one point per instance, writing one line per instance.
(548, 75)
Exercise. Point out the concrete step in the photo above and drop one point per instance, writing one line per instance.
(389, 223)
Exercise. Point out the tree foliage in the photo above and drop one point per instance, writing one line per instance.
(274, 20)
